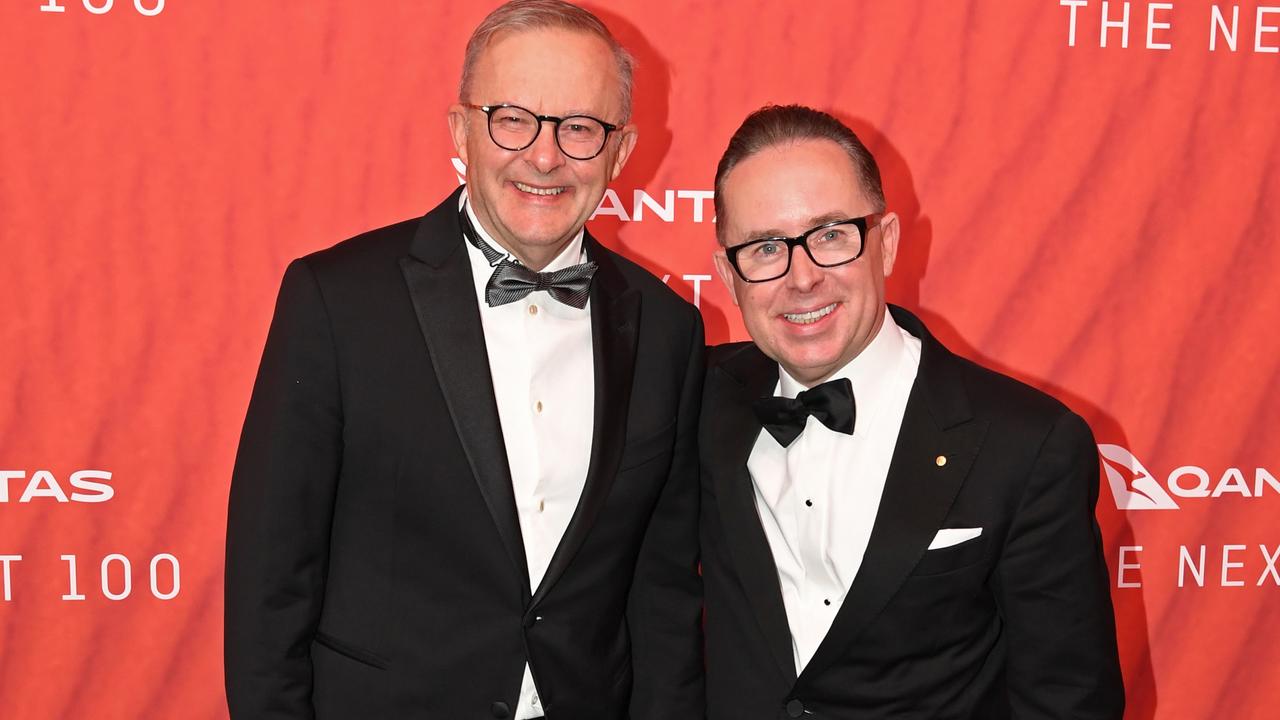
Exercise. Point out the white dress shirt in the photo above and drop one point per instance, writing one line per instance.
(818, 498)
(544, 381)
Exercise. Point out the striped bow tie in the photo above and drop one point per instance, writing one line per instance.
(512, 281)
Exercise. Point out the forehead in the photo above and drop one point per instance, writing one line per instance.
(784, 188)
(549, 70)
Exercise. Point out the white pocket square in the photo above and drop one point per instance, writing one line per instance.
(947, 537)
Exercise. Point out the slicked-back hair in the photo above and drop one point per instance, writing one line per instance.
(774, 125)
(519, 15)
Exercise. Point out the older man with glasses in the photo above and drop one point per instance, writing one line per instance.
(467, 483)
(889, 531)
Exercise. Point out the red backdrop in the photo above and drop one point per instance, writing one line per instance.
(1099, 219)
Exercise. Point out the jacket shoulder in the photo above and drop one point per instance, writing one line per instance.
(989, 393)
(1018, 408)
(718, 355)
(372, 248)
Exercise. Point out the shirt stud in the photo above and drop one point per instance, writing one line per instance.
(940, 460)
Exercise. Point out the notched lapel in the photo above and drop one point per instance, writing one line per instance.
(741, 379)
(438, 275)
(615, 326)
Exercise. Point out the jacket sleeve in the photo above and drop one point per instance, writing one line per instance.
(664, 610)
(1053, 588)
(280, 509)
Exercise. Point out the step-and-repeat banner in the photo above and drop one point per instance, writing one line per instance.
(1090, 194)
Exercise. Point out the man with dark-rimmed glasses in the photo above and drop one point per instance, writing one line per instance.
(888, 530)
(467, 483)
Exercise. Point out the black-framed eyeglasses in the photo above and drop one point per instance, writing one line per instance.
(827, 245)
(514, 128)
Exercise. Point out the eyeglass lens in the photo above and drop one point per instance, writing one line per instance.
(771, 258)
(578, 136)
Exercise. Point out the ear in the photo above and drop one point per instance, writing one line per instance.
(458, 128)
(626, 143)
(726, 272)
(889, 228)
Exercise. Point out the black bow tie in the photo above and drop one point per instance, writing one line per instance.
(831, 403)
(512, 281)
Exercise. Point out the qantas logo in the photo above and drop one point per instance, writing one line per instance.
(1134, 487)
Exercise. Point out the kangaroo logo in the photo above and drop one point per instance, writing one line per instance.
(1132, 485)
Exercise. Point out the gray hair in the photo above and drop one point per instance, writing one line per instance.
(518, 15)
(774, 125)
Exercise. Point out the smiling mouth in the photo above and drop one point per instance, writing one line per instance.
(537, 190)
(813, 316)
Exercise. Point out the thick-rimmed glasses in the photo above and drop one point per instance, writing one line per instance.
(827, 245)
(514, 128)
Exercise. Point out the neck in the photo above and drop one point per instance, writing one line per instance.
(539, 259)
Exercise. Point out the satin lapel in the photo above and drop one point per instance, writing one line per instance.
(742, 378)
(438, 274)
(615, 324)
(918, 491)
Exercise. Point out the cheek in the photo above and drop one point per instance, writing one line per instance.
(755, 302)
(488, 162)
(592, 175)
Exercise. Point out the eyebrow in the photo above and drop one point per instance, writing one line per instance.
(570, 113)
(813, 222)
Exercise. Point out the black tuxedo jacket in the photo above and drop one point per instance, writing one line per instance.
(1016, 623)
(375, 567)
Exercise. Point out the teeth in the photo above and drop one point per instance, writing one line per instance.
(539, 191)
(812, 316)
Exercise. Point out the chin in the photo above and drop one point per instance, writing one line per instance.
(808, 363)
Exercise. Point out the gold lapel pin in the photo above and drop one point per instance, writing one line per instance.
(940, 460)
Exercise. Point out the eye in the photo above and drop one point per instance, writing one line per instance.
(767, 249)
(580, 128)
(508, 119)
(833, 235)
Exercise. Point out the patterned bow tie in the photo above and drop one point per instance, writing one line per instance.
(831, 403)
(512, 281)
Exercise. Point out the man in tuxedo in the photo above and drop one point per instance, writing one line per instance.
(889, 531)
(467, 482)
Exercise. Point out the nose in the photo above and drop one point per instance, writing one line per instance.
(544, 154)
(803, 276)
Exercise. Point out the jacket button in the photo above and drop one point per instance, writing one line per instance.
(531, 620)
(795, 709)
(500, 710)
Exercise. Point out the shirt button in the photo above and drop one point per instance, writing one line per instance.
(533, 309)
(542, 505)
(538, 406)
(534, 700)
